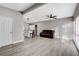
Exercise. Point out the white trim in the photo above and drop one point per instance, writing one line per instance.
(17, 41)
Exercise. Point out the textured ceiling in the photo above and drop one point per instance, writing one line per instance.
(61, 10)
(17, 6)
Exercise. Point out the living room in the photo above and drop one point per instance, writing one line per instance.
(51, 19)
(39, 29)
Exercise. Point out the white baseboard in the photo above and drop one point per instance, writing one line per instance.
(12, 43)
(17, 41)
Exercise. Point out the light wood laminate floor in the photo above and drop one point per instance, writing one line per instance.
(40, 47)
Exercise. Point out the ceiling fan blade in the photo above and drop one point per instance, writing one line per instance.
(49, 16)
(53, 16)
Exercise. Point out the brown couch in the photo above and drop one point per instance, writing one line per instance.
(47, 33)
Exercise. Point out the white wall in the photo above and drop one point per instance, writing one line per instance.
(17, 26)
(76, 26)
(63, 27)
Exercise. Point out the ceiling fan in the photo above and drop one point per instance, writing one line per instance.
(51, 16)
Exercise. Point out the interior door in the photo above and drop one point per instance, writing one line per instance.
(5, 31)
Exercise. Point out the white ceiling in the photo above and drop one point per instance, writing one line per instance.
(61, 10)
(17, 6)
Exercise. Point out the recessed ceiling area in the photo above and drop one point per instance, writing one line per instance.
(61, 10)
(17, 6)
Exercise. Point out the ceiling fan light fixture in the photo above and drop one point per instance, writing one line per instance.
(50, 16)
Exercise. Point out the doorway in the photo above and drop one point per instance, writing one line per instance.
(35, 30)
